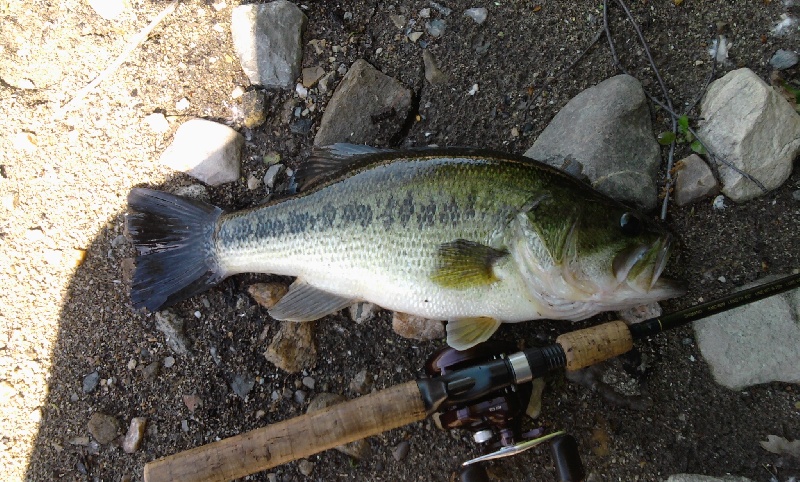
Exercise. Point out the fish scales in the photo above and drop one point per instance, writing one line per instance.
(471, 237)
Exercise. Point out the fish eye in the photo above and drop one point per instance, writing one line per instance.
(630, 224)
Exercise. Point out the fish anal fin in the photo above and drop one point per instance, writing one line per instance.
(304, 302)
(463, 264)
(464, 333)
(329, 162)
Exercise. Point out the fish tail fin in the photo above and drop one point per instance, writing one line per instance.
(174, 241)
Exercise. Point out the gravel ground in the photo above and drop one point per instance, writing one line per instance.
(65, 310)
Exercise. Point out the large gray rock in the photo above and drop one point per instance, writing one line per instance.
(751, 126)
(607, 129)
(207, 151)
(368, 107)
(756, 343)
(268, 40)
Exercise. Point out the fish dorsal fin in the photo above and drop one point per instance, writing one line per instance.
(304, 302)
(330, 162)
(465, 333)
(463, 264)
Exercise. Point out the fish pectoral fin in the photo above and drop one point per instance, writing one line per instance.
(304, 302)
(330, 162)
(465, 333)
(463, 264)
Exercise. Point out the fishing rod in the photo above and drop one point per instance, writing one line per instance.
(463, 391)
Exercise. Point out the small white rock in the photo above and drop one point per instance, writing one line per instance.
(253, 182)
(108, 9)
(206, 150)
(478, 14)
(301, 91)
(414, 36)
(237, 93)
(473, 90)
(133, 438)
(182, 104)
(272, 173)
(157, 122)
(169, 362)
(719, 202)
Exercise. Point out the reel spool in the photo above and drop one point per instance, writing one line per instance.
(496, 419)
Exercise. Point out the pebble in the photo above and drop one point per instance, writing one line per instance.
(157, 122)
(151, 371)
(359, 449)
(242, 384)
(133, 439)
(206, 150)
(292, 349)
(271, 158)
(400, 452)
(194, 191)
(718, 203)
(90, 382)
(694, 180)
(796, 195)
(185, 425)
(362, 312)
(272, 174)
(416, 327)
(192, 402)
(305, 467)
(432, 72)
(311, 76)
(399, 21)
(414, 36)
(362, 382)
(309, 382)
(477, 14)
(169, 362)
(783, 59)
(237, 92)
(108, 9)
(268, 41)
(253, 182)
(442, 9)
(435, 28)
(132, 364)
(182, 104)
(473, 90)
(254, 107)
(267, 294)
(300, 397)
(326, 83)
(425, 13)
(103, 427)
(172, 327)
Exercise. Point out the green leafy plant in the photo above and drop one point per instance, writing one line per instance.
(684, 136)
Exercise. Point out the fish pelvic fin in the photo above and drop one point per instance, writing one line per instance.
(174, 241)
(465, 333)
(463, 264)
(304, 302)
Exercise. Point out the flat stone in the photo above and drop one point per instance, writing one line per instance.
(268, 40)
(751, 126)
(416, 327)
(104, 428)
(433, 74)
(607, 129)
(694, 180)
(783, 59)
(254, 107)
(367, 107)
(133, 439)
(172, 327)
(311, 76)
(755, 343)
(207, 151)
(292, 349)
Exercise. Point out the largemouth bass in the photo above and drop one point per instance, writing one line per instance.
(464, 235)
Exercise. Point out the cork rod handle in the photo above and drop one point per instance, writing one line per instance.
(596, 344)
(292, 439)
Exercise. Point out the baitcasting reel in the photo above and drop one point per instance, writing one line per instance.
(496, 419)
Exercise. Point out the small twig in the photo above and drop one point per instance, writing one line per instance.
(563, 71)
(132, 45)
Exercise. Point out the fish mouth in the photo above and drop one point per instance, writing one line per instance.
(641, 266)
